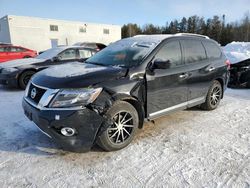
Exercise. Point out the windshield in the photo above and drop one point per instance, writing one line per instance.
(49, 54)
(124, 53)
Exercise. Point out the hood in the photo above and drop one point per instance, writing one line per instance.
(20, 62)
(76, 75)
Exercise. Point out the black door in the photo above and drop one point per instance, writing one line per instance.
(199, 68)
(166, 88)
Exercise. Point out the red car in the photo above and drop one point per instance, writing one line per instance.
(9, 52)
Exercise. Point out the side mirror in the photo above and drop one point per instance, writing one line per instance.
(55, 59)
(161, 64)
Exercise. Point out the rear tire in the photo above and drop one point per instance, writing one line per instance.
(214, 96)
(24, 78)
(121, 132)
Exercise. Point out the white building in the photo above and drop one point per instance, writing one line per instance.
(40, 34)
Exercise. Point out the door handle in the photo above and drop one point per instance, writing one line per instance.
(184, 75)
(211, 69)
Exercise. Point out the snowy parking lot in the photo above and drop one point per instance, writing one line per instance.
(191, 148)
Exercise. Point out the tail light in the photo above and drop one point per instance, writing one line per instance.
(227, 62)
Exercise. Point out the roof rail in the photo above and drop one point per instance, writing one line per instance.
(191, 34)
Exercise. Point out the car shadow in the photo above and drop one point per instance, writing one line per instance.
(34, 142)
(195, 108)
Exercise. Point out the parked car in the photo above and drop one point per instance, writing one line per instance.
(9, 52)
(106, 99)
(238, 54)
(94, 45)
(17, 73)
(240, 74)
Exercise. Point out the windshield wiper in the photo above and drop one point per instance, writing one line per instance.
(100, 64)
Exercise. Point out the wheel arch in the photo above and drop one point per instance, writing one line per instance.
(221, 81)
(23, 71)
(135, 103)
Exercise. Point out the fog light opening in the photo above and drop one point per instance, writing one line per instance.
(67, 131)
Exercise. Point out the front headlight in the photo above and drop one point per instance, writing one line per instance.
(8, 70)
(75, 97)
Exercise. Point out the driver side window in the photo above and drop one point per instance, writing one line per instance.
(170, 51)
(67, 55)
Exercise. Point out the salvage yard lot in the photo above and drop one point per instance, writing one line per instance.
(187, 148)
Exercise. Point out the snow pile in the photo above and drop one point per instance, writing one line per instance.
(237, 51)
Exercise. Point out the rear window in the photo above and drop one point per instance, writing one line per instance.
(193, 50)
(213, 51)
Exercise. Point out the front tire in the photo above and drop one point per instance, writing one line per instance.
(121, 131)
(24, 78)
(214, 96)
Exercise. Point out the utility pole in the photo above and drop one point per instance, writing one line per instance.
(129, 29)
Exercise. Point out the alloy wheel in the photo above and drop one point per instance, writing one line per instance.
(215, 96)
(122, 127)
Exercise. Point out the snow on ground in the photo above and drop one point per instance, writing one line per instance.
(190, 148)
(237, 51)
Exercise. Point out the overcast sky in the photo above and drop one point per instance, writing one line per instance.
(125, 11)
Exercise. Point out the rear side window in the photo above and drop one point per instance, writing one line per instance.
(7, 49)
(193, 50)
(213, 51)
(13, 49)
(1, 49)
(20, 49)
(170, 51)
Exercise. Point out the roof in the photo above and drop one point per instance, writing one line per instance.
(154, 40)
(237, 51)
(76, 47)
(153, 37)
(59, 21)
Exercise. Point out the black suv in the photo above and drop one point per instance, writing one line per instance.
(106, 99)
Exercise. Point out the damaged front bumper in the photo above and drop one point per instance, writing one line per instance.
(86, 122)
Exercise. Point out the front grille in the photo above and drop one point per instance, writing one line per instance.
(35, 93)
